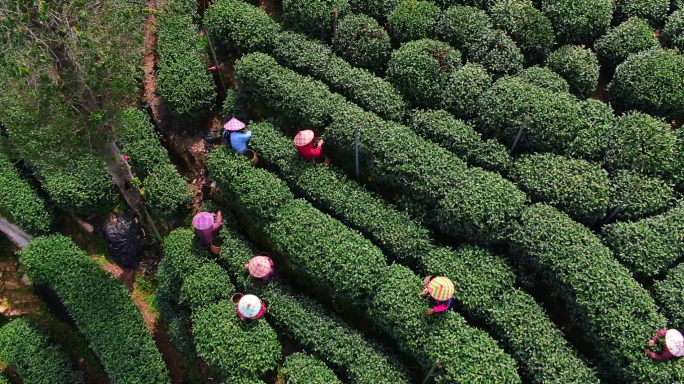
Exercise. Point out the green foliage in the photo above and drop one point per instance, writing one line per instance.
(649, 196)
(165, 191)
(653, 11)
(20, 203)
(93, 299)
(527, 26)
(313, 17)
(574, 186)
(233, 347)
(377, 9)
(362, 42)
(673, 33)
(648, 246)
(207, 285)
(668, 294)
(632, 36)
(461, 139)
(640, 142)
(592, 142)
(304, 369)
(413, 20)
(3, 379)
(317, 60)
(498, 54)
(234, 106)
(33, 357)
(651, 82)
(183, 81)
(578, 21)
(240, 27)
(462, 89)
(398, 310)
(420, 68)
(578, 66)
(615, 313)
(544, 78)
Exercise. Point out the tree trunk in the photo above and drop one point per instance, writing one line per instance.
(16, 234)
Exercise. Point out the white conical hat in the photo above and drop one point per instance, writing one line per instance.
(674, 341)
(249, 306)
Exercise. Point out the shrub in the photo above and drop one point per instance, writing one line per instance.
(165, 191)
(498, 53)
(648, 246)
(240, 27)
(33, 357)
(20, 203)
(420, 68)
(648, 196)
(615, 313)
(412, 20)
(578, 66)
(313, 17)
(462, 89)
(578, 21)
(207, 285)
(576, 187)
(461, 139)
(233, 347)
(3, 379)
(673, 33)
(650, 81)
(527, 26)
(544, 78)
(668, 294)
(653, 11)
(464, 27)
(640, 142)
(318, 61)
(377, 9)
(302, 368)
(363, 43)
(632, 36)
(183, 81)
(92, 297)
(591, 142)
(234, 106)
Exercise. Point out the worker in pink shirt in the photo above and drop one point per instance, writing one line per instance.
(304, 143)
(206, 226)
(441, 290)
(673, 347)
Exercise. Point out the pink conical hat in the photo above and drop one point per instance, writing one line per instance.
(303, 137)
(234, 125)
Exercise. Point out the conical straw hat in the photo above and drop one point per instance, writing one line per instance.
(249, 306)
(203, 220)
(234, 125)
(441, 288)
(259, 266)
(303, 138)
(674, 341)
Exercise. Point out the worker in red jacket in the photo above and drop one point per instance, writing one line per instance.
(304, 142)
(674, 344)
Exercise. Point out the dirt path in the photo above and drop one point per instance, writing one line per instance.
(150, 96)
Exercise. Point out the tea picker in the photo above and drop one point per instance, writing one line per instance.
(235, 135)
(205, 226)
(441, 290)
(249, 306)
(673, 346)
(304, 142)
(260, 267)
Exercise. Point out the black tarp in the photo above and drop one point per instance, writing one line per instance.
(121, 233)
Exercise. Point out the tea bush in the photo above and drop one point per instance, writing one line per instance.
(578, 21)
(591, 142)
(668, 294)
(640, 142)
(240, 27)
(302, 368)
(3, 379)
(544, 78)
(207, 285)
(498, 53)
(464, 26)
(363, 43)
(33, 357)
(527, 26)
(649, 196)
(574, 186)
(420, 68)
(673, 33)
(233, 347)
(614, 311)
(578, 66)
(313, 17)
(462, 89)
(20, 203)
(183, 81)
(650, 81)
(655, 12)
(92, 297)
(632, 36)
(234, 106)
(412, 20)
(648, 246)
(461, 139)
(317, 60)
(377, 9)
(165, 191)
(398, 236)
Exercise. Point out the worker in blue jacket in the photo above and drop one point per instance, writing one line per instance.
(234, 133)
